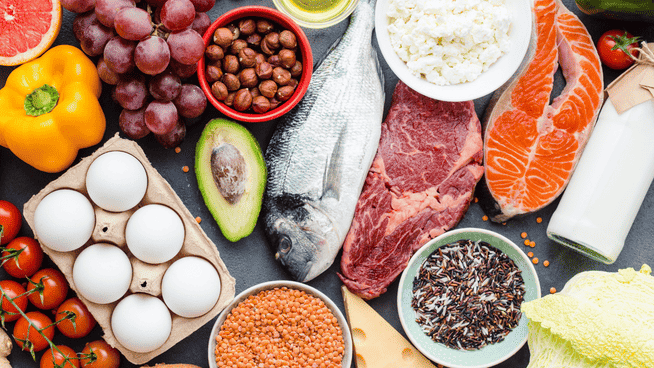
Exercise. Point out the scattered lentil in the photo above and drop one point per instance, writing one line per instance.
(539, 220)
(198, 219)
(178, 150)
(532, 243)
(535, 260)
(467, 295)
(485, 218)
(530, 254)
(523, 235)
(552, 290)
(527, 242)
(476, 199)
(546, 263)
(185, 169)
(280, 327)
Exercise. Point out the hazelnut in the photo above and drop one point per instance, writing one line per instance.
(260, 104)
(237, 46)
(213, 73)
(260, 58)
(247, 26)
(248, 78)
(230, 64)
(287, 39)
(242, 100)
(254, 39)
(218, 64)
(222, 37)
(229, 101)
(274, 102)
(281, 76)
(264, 70)
(296, 69)
(274, 60)
(287, 58)
(247, 57)
(284, 93)
(255, 92)
(264, 26)
(293, 82)
(268, 88)
(272, 40)
(236, 33)
(231, 81)
(214, 52)
(219, 91)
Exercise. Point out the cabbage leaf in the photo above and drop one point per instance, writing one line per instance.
(599, 320)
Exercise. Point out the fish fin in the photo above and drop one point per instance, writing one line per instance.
(334, 169)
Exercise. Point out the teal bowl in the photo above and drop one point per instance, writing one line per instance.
(490, 354)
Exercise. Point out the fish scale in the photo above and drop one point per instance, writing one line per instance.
(320, 153)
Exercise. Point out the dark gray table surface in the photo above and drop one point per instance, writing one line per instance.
(250, 260)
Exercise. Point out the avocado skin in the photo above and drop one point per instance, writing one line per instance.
(235, 221)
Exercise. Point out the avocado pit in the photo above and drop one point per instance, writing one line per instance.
(229, 172)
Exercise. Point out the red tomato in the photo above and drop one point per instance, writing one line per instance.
(12, 289)
(10, 222)
(80, 324)
(41, 322)
(99, 354)
(613, 47)
(53, 292)
(48, 361)
(23, 257)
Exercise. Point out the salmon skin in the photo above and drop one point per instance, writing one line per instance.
(531, 146)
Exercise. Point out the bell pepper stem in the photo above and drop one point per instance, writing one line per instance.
(41, 101)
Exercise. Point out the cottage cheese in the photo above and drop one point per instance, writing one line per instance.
(448, 41)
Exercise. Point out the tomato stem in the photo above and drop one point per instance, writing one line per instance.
(621, 42)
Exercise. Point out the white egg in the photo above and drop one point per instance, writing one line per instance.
(154, 233)
(116, 181)
(102, 273)
(141, 323)
(190, 287)
(64, 220)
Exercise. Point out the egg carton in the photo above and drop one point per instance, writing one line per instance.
(110, 228)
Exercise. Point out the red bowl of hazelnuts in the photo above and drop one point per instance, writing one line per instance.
(257, 64)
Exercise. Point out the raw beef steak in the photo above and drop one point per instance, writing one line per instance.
(420, 184)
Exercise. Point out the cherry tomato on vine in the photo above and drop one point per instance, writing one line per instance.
(10, 222)
(80, 325)
(12, 289)
(23, 257)
(53, 292)
(41, 322)
(613, 47)
(48, 360)
(99, 354)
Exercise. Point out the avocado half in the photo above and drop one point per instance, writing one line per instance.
(231, 176)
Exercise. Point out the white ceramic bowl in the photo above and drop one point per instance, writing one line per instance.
(490, 80)
(345, 328)
(488, 355)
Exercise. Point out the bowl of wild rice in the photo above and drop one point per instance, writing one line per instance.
(281, 324)
(459, 298)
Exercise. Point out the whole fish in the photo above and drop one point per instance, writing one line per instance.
(320, 153)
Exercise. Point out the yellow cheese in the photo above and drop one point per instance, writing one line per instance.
(376, 343)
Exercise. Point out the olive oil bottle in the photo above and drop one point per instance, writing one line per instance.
(316, 13)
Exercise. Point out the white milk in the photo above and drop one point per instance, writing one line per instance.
(608, 186)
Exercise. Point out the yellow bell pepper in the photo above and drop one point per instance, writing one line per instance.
(49, 109)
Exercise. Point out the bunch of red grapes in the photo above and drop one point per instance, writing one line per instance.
(147, 48)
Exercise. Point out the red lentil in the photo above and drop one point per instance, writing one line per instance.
(539, 219)
(532, 243)
(546, 263)
(523, 235)
(178, 150)
(485, 218)
(535, 260)
(552, 290)
(530, 254)
(198, 219)
(527, 242)
(185, 169)
(292, 329)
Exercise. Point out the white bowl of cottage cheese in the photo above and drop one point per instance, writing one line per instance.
(453, 50)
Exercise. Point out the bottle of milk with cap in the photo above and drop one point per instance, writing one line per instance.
(613, 175)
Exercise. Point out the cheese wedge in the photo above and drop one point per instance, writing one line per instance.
(376, 343)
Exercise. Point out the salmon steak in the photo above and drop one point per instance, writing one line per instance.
(532, 145)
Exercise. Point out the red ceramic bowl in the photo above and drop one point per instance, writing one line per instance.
(303, 46)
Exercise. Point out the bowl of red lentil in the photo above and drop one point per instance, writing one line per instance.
(281, 324)
(459, 298)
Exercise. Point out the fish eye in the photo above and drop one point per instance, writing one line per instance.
(284, 244)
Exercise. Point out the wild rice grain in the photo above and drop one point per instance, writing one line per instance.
(468, 295)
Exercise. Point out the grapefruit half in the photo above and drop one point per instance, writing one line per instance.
(27, 29)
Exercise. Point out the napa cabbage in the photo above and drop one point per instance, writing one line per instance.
(599, 320)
